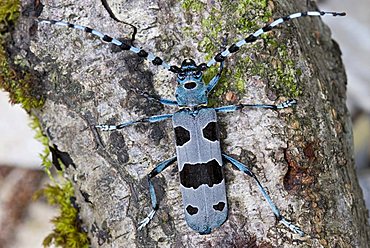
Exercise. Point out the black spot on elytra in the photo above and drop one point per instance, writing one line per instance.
(191, 210)
(194, 175)
(219, 206)
(182, 135)
(210, 131)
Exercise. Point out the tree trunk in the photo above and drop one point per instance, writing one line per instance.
(303, 156)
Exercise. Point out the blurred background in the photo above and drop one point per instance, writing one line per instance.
(353, 37)
(24, 222)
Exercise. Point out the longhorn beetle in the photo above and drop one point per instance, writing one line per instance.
(199, 157)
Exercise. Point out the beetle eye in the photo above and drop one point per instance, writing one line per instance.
(197, 74)
(181, 75)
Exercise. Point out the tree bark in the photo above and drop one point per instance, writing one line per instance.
(304, 156)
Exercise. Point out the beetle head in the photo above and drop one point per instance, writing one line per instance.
(191, 90)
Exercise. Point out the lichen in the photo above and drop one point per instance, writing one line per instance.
(283, 77)
(19, 83)
(259, 58)
(192, 5)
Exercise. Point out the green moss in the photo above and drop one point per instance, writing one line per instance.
(19, 83)
(9, 12)
(67, 226)
(257, 58)
(21, 87)
(39, 136)
(67, 230)
(192, 5)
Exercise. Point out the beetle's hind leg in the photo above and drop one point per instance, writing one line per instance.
(158, 169)
(273, 207)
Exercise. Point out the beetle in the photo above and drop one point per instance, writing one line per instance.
(198, 152)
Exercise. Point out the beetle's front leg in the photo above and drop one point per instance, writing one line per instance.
(231, 108)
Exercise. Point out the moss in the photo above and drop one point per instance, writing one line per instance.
(67, 226)
(246, 16)
(67, 230)
(19, 83)
(39, 136)
(9, 12)
(192, 5)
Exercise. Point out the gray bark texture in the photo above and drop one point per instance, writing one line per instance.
(303, 156)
